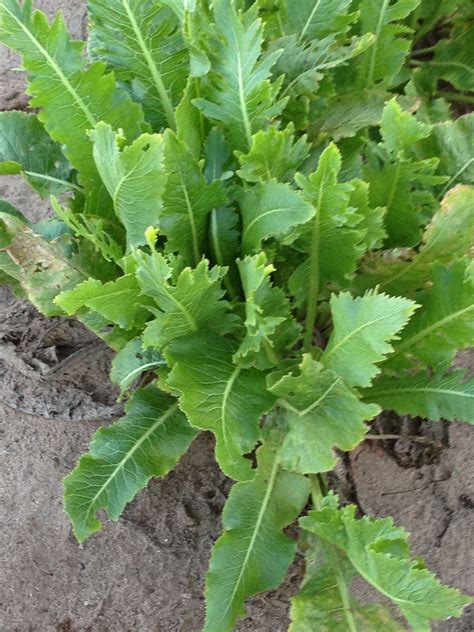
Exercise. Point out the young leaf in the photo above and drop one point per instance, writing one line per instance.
(332, 230)
(321, 413)
(271, 209)
(72, 99)
(445, 322)
(186, 300)
(379, 552)
(239, 95)
(253, 554)
(363, 328)
(187, 201)
(26, 148)
(220, 396)
(148, 441)
(400, 130)
(131, 362)
(134, 178)
(119, 302)
(434, 397)
(270, 327)
(324, 601)
(140, 41)
(385, 57)
(275, 154)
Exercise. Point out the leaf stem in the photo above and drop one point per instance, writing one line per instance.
(313, 291)
(457, 97)
(318, 484)
(64, 183)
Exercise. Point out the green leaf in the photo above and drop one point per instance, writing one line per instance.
(384, 59)
(26, 148)
(119, 302)
(134, 178)
(449, 235)
(187, 201)
(454, 146)
(445, 322)
(142, 43)
(440, 396)
(452, 59)
(148, 441)
(324, 602)
(271, 209)
(379, 552)
(332, 230)
(186, 300)
(71, 98)
(363, 328)
(253, 554)
(239, 94)
(275, 154)
(311, 19)
(220, 396)
(129, 364)
(270, 326)
(372, 219)
(321, 413)
(400, 130)
(345, 114)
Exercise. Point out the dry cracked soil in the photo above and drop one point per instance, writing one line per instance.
(145, 572)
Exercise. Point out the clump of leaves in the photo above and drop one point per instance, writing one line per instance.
(267, 208)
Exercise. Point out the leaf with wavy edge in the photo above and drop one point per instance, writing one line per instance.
(220, 396)
(363, 329)
(148, 441)
(379, 553)
(253, 554)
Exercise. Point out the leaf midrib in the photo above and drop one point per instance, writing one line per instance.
(370, 74)
(64, 80)
(129, 454)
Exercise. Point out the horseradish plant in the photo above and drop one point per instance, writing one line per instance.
(266, 209)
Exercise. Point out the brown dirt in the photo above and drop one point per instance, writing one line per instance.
(145, 573)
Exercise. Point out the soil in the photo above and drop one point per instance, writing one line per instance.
(145, 573)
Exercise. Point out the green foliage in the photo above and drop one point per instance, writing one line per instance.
(265, 208)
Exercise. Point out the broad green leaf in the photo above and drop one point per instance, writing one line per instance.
(441, 396)
(141, 42)
(321, 413)
(363, 329)
(220, 396)
(453, 60)
(305, 64)
(345, 114)
(71, 98)
(400, 130)
(133, 177)
(449, 235)
(253, 554)
(40, 267)
(271, 209)
(189, 127)
(384, 59)
(120, 301)
(380, 554)
(313, 19)
(239, 94)
(186, 300)
(129, 364)
(270, 326)
(148, 441)
(454, 146)
(396, 183)
(445, 321)
(26, 148)
(275, 154)
(187, 201)
(331, 230)
(324, 601)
